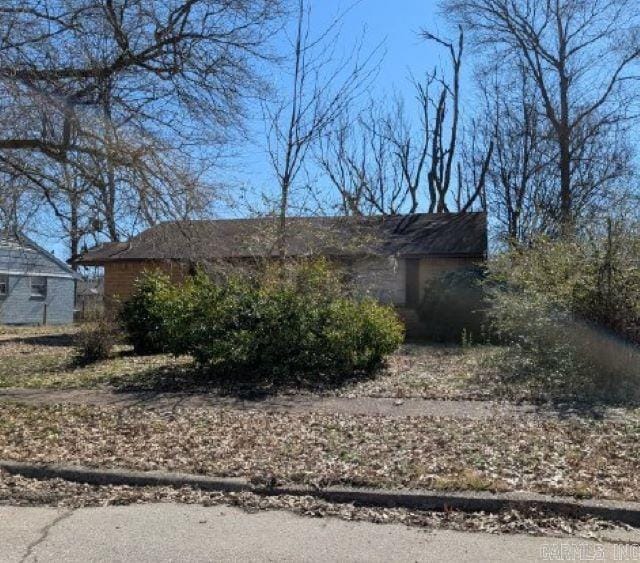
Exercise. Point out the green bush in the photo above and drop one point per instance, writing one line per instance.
(218, 321)
(570, 313)
(279, 324)
(148, 314)
(453, 306)
(358, 335)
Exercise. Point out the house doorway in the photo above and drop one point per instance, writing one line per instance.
(413, 282)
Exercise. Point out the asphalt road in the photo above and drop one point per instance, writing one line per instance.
(169, 532)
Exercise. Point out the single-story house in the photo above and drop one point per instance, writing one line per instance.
(35, 286)
(390, 257)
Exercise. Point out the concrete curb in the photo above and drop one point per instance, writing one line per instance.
(625, 512)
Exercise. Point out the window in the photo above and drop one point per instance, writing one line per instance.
(4, 285)
(39, 287)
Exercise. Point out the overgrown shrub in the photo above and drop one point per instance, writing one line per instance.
(359, 334)
(218, 320)
(453, 306)
(147, 314)
(95, 339)
(278, 324)
(570, 312)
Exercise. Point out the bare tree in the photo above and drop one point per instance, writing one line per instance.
(581, 57)
(362, 160)
(443, 153)
(391, 160)
(476, 158)
(19, 204)
(103, 90)
(321, 87)
(410, 145)
(520, 182)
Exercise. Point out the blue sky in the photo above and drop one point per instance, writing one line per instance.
(398, 24)
(394, 24)
(395, 27)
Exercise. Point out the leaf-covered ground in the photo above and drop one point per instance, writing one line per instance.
(43, 357)
(432, 371)
(579, 457)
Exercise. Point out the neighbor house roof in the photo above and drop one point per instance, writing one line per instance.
(424, 234)
(14, 243)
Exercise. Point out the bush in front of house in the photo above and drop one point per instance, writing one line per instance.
(218, 320)
(570, 313)
(148, 314)
(95, 339)
(358, 335)
(279, 324)
(454, 305)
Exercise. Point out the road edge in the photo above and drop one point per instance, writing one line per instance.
(466, 501)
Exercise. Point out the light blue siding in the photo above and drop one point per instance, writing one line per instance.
(18, 306)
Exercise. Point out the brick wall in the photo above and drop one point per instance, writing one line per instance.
(120, 277)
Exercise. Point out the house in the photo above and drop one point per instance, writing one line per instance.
(35, 286)
(390, 258)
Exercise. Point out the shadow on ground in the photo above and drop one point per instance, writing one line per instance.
(62, 340)
(181, 385)
(192, 379)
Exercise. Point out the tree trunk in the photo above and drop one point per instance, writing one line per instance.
(109, 193)
(74, 222)
(566, 215)
(282, 221)
(564, 136)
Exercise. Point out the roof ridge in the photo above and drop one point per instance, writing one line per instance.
(321, 217)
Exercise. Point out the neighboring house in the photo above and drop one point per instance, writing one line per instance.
(390, 258)
(35, 286)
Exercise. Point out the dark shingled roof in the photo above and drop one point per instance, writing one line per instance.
(423, 234)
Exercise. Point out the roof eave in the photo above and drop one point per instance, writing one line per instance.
(84, 261)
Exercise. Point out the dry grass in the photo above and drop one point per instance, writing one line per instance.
(433, 371)
(43, 357)
(580, 457)
(8, 332)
